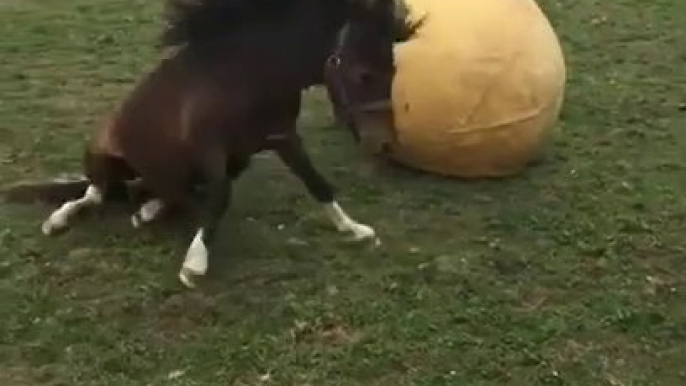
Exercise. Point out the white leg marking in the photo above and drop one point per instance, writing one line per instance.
(59, 219)
(345, 224)
(147, 212)
(195, 263)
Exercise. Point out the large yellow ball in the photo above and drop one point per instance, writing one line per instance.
(479, 91)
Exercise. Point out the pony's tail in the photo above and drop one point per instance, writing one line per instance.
(51, 191)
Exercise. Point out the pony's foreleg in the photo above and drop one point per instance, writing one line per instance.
(213, 207)
(298, 161)
(59, 219)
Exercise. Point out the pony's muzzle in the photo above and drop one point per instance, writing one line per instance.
(375, 126)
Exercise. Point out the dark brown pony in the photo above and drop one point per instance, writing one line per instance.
(231, 87)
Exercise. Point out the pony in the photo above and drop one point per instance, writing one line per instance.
(228, 87)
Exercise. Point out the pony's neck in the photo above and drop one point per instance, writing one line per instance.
(291, 49)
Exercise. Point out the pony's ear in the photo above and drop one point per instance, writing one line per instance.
(404, 27)
(392, 16)
(406, 30)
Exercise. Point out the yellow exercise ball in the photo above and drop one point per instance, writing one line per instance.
(478, 92)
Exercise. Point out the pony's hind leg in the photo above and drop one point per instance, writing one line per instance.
(148, 211)
(297, 160)
(59, 219)
(104, 172)
(151, 205)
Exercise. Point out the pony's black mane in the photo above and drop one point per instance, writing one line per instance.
(195, 22)
(199, 22)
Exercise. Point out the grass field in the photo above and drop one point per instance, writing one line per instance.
(571, 274)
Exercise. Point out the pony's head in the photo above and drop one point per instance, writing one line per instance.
(359, 73)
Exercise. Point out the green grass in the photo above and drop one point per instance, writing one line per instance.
(571, 274)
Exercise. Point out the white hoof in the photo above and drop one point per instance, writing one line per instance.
(136, 221)
(147, 213)
(195, 263)
(186, 276)
(46, 228)
(361, 231)
(52, 226)
(344, 223)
